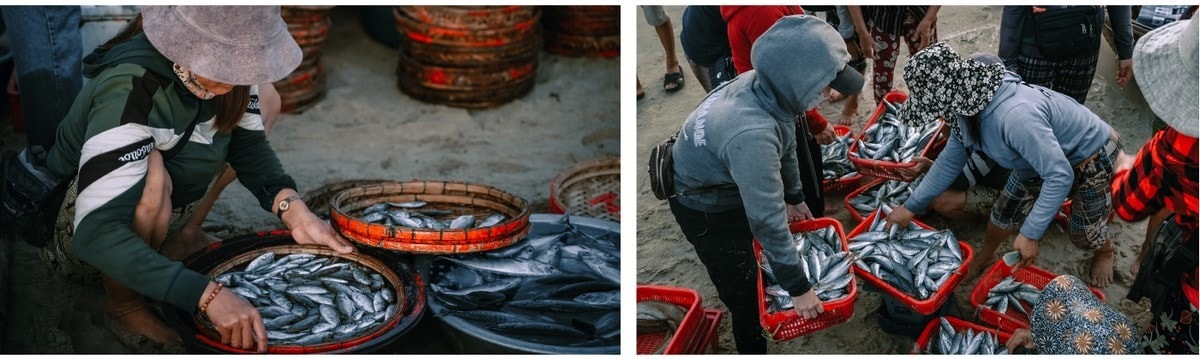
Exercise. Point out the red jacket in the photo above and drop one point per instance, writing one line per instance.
(744, 25)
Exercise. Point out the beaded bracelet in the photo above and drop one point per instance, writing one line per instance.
(211, 295)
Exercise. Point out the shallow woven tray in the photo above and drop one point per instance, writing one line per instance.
(435, 54)
(317, 199)
(490, 77)
(460, 197)
(415, 30)
(583, 45)
(240, 261)
(591, 189)
(469, 17)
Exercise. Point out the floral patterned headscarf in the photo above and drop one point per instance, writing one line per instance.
(1069, 319)
(944, 84)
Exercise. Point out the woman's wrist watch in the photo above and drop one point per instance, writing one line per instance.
(285, 204)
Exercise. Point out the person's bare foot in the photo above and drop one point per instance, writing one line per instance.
(136, 318)
(191, 238)
(978, 264)
(1102, 268)
(849, 112)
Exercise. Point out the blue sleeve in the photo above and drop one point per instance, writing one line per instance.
(1027, 131)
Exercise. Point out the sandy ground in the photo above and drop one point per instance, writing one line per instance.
(666, 258)
(365, 128)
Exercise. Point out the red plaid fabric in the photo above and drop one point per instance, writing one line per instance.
(1164, 174)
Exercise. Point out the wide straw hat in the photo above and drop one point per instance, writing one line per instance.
(1165, 66)
(238, 45)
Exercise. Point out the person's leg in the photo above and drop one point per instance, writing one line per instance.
(1015, 202)
(723, 244)
(1091, 204)
(1036, 71)
(1152, 226)
(47, 54)
(884, 64)
(127, 307)
(850, 107)
(701, 74)
(191, 237)
(952, 204)
(1074, 77)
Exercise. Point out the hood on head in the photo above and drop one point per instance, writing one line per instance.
(797, 58)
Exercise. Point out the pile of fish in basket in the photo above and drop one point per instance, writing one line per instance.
(558, 287)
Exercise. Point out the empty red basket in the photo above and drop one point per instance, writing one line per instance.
(1013, 319)
(935, 301)
(686, 334)
(932, 328)
(708, 332)
(787, 324)
(887, 169)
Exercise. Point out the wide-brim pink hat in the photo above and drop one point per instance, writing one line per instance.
(238, 45)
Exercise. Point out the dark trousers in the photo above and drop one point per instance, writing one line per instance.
(723, 243)
(808, 155)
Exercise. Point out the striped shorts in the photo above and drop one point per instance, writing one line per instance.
(1091, 200)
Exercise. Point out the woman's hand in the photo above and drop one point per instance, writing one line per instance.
(307, 228)
(1028, 249)
(911, 173)
(240, 325)
(808, 305)
(1124, 71)
(900, 216)
(798, 212)
(826, 136)
(1020, 338)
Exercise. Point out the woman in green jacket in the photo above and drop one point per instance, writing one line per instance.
(170, 101)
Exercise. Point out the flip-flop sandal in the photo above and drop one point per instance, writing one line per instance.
(673, 78)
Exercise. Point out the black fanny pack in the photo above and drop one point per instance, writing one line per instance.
(661, 169)
(1067, 33)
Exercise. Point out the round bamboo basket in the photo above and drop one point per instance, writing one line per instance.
(590, 189)
(240, 261)
(460, 198)
(305, 86)
(467, 56)
(586, 31)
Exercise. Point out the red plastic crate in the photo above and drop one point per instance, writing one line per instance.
(709, 341)
(1013, 319)
(844, 184)
(846, 201)
(935, 301)
(932, 328)
(682, 340)
(887, 169)
(787, 324)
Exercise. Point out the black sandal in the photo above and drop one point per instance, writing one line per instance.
(675, 79)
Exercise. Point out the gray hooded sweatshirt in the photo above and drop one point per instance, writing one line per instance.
(743, 133)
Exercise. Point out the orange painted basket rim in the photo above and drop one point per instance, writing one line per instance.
(459, 197)
(207, 335)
